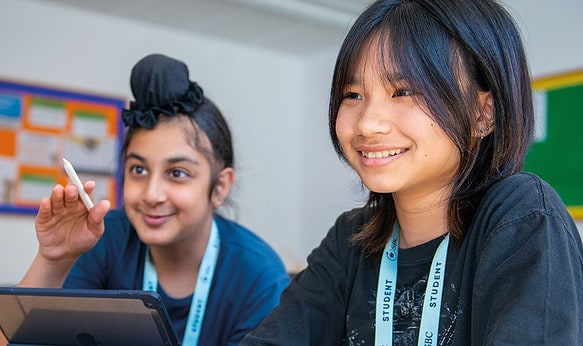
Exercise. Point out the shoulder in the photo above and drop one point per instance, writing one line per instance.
(351, 221)
(247, 264)
(347, 224)
(519, 195)
(527, 185)
(521, 206)
(244, 246)
(337, 244)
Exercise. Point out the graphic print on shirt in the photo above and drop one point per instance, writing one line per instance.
(407, 317)
(407, 314)
(353, 337)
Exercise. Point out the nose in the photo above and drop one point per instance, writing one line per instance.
(155, 191)
(374, 119)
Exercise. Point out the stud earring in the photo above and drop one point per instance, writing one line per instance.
(485, 130)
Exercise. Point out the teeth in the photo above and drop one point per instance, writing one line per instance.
(381, 154)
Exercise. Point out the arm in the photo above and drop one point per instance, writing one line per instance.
(529, 284)
(65, 230)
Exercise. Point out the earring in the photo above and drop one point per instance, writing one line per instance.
(485, 130)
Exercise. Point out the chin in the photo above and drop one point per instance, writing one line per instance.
(379, 188)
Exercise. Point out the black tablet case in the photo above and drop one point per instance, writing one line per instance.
(39, 316)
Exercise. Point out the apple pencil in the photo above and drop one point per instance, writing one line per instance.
(75, 179)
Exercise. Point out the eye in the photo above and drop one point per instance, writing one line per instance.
(402, 92)
(352, 96)
(178, 173)
(137, 170)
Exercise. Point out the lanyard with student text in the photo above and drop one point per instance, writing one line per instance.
(203, 284)
(428, 330)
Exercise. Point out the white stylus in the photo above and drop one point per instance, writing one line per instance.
(75, 179)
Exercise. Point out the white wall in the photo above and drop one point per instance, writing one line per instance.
(290, 186)
(552, 32)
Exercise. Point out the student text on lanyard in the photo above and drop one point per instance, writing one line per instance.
(429, 328)
(203, 285)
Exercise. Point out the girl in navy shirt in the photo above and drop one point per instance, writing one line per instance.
(217, 279)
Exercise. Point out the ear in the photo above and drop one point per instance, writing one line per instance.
(485, 120)
(222, 187)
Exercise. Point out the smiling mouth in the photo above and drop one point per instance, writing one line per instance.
(155, 220)
(155, 216)
(381, 154)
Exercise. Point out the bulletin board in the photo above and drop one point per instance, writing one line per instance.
(557, 152)
(41, 125)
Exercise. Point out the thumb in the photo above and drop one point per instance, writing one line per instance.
(97, 214)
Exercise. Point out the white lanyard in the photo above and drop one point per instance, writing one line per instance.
(203, 284)
(428, 331)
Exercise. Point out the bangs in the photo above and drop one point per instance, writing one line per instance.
(411, 48)
(415, 49)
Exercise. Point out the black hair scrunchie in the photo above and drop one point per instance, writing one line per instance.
(160, 85)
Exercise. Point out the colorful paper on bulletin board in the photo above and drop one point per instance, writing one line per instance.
(557, 153)
(39, 126)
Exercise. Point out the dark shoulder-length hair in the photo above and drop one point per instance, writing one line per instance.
(447, 51)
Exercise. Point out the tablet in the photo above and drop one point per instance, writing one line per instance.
(41, 316)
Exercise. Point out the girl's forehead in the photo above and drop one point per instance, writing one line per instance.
(172, 133)
(374, 56)
(164, 144)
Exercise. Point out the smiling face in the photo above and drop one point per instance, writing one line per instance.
(167, 184)
(388, 138)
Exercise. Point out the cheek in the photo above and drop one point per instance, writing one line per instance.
(344, 129)
(442, 146)
(184, 198)
(189, 196)
(130, 191)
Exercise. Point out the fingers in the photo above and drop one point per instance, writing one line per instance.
(44, 211)
(57, 199)
(89, 186)
(65, 201)
(70, 198)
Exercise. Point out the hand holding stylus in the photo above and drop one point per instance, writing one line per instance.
(65, 227)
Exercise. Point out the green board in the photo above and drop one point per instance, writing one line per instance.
(557, 153)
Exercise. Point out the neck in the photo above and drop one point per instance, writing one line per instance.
(421, 219)
(177, 265)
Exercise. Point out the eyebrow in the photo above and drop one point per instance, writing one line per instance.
(392, 78)
(170, 160)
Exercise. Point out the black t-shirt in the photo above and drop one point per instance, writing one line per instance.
(517, 278)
